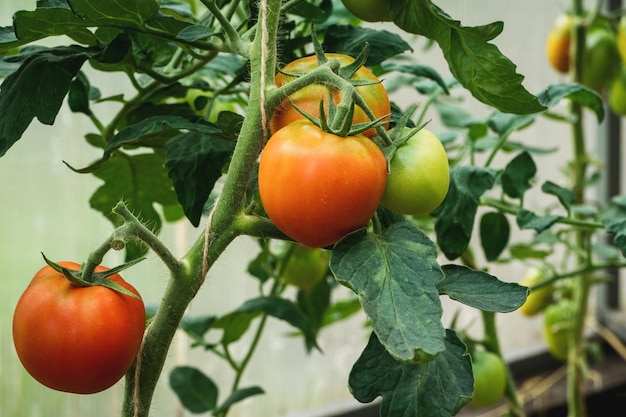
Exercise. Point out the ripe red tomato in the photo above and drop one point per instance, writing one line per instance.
(316, 186)
(308, 99)
(77, 339)
(368, 10)
(558, 43)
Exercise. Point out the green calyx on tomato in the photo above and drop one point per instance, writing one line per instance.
(307, 100)
(539, 298)
(490, 378)
(558, 43)
(557, 326)
(419, 172)
(304, 266)
(369, 10)
(78, 339)
(316, 186)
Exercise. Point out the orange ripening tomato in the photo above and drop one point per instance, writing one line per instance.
(558, 43)
(308, 99)
(316, 186)
(77, 339)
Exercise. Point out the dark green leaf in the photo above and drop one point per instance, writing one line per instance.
(37, 89)
(578, 93)
(566, 196)
(477, 64)
(238, 395)
(395, 276)
(614, 220)
(504, 123)
(439, 388)
(517, 175)
(282, 309)
(422, 71)
(480, 290)
(140, 181)
(194, 33)
(455, 216)
(350, 40)
(194, 161)
(234, 325)
(196, 391)
(528, 220)
(314, 303)
(80, 94)
(131, 13)
(196, 327)
(494, 234)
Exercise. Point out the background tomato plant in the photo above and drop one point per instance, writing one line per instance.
(155, 128)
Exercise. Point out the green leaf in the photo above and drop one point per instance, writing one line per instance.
(314, 303)
(480, 290)
(350, 40)
(132, 13)
(421, 71)
(196, 391)
(194, 161)
(528, 220)
(455, 216)
(578, 93)
(566, 196)
(439, 388)
(525, 251)
(239, 395)
(140, 181)
(234, 325)
(504, 124)
(37, 89)
(196, 327)
(282, 309)
(43, 22)
(614, 220)
(494, 234)
(517, 175)
(477, 64)
(80, 94)
(395, 277)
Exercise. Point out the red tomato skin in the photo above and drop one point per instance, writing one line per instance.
(308, 99)
(317, 187)
(77, 339)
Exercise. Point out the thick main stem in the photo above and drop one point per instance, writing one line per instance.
(580, 288)
(185, 282)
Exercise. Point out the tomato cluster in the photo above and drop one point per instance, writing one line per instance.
(603, 59)
(317, 186)
(77, 339)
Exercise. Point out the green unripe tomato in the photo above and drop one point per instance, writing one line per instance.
(557, 325)
(601, 60)
(368, 10)
(617, 93)
(419, 175)
(489, 378)
(305, 266)
(539, 298)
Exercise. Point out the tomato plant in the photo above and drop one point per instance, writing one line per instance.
(316, 186)
(418, 174)
(304, 267)
(308, 99)
(368, 10)
(489, 378)
(558, 43)
(557, 325)
(77, 339)
(539, 298)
